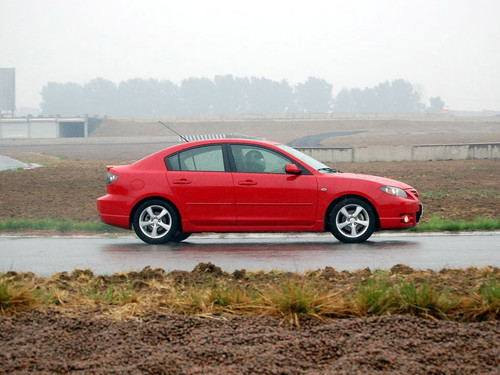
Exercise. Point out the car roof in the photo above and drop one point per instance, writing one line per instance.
(186, 145)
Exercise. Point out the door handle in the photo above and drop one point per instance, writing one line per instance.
(182, 181)
(247, 182)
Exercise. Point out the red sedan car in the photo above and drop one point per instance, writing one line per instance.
(236, 185)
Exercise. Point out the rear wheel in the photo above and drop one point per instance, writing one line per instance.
(352, 220)
(155, 222)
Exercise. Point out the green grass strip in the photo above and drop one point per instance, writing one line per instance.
(56, 225)
(437, 224)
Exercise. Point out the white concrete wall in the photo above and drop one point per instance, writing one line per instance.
(36, 128)
(28, 129)
(49, 129)
(14, 130)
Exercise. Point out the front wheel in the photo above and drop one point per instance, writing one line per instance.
(352, 220)
(155, 222)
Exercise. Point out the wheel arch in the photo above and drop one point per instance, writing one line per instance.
(344, 197)
(154, 197)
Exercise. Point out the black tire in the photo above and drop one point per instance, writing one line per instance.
(352, 220)
(180, 236)
(155, 222)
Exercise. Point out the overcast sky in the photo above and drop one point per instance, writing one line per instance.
(447, 48)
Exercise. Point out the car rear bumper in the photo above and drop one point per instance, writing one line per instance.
(113, 212)
(115, 220)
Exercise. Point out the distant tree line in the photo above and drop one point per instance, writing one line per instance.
(227, 95)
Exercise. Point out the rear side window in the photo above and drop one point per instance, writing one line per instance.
(199, 159)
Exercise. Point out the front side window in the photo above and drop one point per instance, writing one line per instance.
(200, 159)
(252, 159)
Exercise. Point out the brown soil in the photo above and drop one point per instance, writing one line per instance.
(67, 189)
(162, 343)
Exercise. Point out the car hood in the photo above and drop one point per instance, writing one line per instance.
(382, 181)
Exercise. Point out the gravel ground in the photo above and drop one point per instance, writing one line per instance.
(51, 342)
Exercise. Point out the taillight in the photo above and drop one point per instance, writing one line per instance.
(111, 178)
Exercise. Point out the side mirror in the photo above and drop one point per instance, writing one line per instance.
(292, 169)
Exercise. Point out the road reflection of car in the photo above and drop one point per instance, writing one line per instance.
(236, 185)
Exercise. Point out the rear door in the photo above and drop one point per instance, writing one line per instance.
(201, 183)
(265, 195)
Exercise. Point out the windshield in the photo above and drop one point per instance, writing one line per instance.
(319, 166)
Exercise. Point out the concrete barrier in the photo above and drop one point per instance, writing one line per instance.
(404, 153)
(441, 152)
(392, 153)
(495, 151)
(340, 154)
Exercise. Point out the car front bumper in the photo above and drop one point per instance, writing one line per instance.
(406, 215)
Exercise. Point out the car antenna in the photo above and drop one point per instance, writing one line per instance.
(172, 130)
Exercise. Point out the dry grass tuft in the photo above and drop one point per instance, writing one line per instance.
(467, 295)
(16, 298)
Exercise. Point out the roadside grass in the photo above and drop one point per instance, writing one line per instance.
(438, 224)
(63, 226)
(434, 224)
(456, 295)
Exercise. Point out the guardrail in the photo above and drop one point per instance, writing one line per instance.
(404, 153)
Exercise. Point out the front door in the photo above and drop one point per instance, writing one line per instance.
(266, 196)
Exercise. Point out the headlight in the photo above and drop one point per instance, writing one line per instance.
(394, 191)
(111, 178)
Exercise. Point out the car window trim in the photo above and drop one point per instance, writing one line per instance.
(177, 154)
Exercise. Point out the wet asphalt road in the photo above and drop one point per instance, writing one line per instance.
(298, 253)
